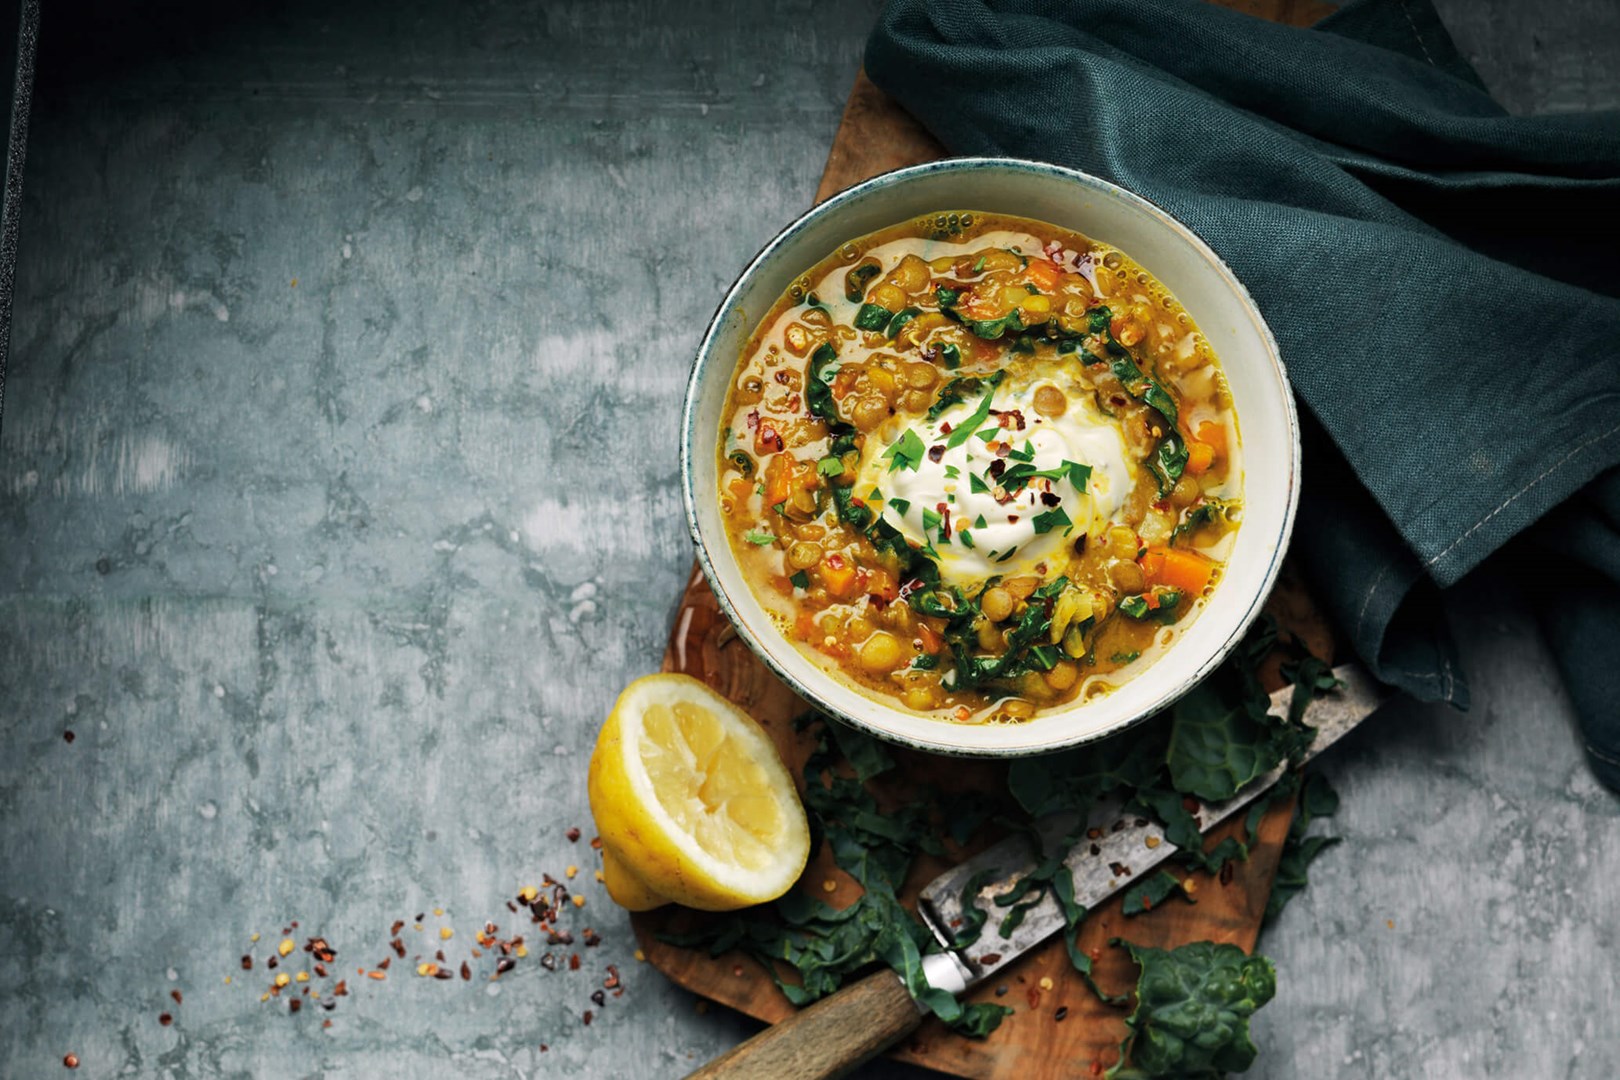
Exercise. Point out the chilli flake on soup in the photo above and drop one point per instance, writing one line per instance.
(980, 464)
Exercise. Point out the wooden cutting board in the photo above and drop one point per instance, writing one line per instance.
(1032, 1044)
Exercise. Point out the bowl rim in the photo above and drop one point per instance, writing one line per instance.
(702, 362)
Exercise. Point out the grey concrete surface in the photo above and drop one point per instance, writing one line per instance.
(338, 499)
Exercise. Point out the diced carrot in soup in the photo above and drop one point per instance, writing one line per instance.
(1185, 570)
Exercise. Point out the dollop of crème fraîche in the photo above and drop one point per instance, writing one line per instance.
(994, 485)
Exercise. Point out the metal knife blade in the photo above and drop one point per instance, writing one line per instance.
(1125, 850)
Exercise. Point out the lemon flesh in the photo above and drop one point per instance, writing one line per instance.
(692, 802)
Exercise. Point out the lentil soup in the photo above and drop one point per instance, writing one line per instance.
(980, 465)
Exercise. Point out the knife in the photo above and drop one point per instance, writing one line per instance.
(845, 1029)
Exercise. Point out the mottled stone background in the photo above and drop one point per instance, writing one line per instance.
(338, 498)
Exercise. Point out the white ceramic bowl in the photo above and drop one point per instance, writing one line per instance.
(1170, 251)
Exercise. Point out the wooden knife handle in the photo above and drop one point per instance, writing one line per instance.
(826, 1039)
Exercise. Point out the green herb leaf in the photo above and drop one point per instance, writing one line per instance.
(1317, 799)
(906, 452)
(963, 431)
(1055, 518)
(759, 536)
(901, 506)
(800, 579)
(830, 466)
(966, 536)
(951, 355)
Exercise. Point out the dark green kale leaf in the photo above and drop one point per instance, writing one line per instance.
(1204, 513)
(1216, 747)
(1169, 461)
(1193, 1006)
(1317, 799)
(959, 389)
(873, 317)
(818, 397)
(975, 670)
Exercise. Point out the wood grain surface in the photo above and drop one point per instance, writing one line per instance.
(875, 136)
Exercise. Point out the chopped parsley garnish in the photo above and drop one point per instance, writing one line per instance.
(951, 355)
(989, 434)
(1124, 657)
(1052, 519)
(952, 472)
(1026, 454)
(977, 485)
(830, 466)
(978, 265)
(966, 537)
(931, 519)
(759, 536)
(800, 579)
(964, 430)
(906, 452)
(900, 506)
(979, 523)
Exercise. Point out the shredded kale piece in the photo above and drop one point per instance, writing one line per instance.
(818, 397)
(1193, 1006)
(957, 390)
(873, 317)
(900, 319)
(1204, 513)
(1317, 799)
(1170, 459)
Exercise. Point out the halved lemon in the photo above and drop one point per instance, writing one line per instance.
(692, 802)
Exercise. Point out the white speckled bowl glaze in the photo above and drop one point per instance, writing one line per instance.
(1169, 250)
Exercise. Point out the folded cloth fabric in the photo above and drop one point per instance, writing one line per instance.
(1442, 279)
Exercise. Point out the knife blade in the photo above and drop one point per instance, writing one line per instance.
(1124, 851)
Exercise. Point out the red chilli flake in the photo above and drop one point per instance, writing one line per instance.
(165, 1019)
(295, 1004)
(588, 1017)
(612, 980)
(466, 972)
(596, 843)
(176, 995)
(573, 962)
(572, 834)
(68, 737)
(71, 1061)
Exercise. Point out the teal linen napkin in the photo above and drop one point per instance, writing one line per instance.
(1441, 276)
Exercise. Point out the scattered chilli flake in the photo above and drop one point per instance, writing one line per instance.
(496, 956)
